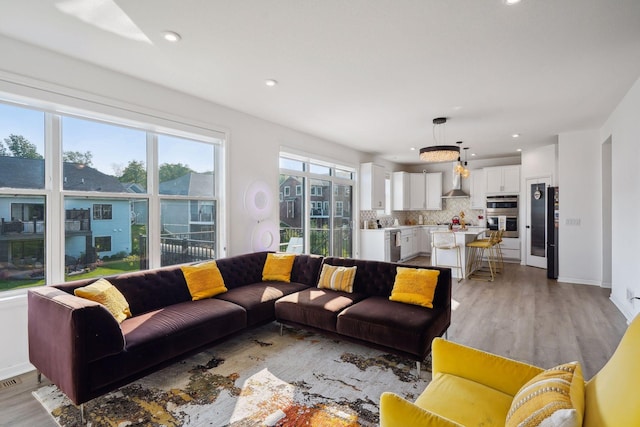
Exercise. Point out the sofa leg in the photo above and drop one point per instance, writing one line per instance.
(281, 329)
(446, 334)
(39, 377)
(83, 419)
(418, 368)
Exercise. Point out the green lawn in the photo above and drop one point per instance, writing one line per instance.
(106, 269)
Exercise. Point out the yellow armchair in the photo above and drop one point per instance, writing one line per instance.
(474, 388)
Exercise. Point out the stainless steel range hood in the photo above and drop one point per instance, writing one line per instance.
(456, 192)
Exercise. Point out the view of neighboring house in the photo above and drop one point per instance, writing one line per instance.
(94, 227)
(188, 226)
(321, 214)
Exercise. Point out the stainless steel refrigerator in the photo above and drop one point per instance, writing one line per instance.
(553, 223)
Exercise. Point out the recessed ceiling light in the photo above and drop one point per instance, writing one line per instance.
(271, 82)
(473, 154)
(412, 148)
(519, 150)
(456, 107)
(171, 36)
(511, 2)
(515, 135)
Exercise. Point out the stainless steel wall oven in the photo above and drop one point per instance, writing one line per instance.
(502, 213)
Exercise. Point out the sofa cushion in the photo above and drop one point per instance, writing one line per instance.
(258, 298)
(337, 278)
(278, 267)
(161, 335)
(152, 289)
(415, 286)
(376, 278)
(203, 280)
(103, 292)
(456, 399)
(554, 397)
(404, 327)
(315, 307)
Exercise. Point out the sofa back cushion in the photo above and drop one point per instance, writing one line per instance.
(376, 278)
(245, 269)
(145, 290)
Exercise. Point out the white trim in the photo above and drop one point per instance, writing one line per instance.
(622, 307)
(59, 99)
(579, 281)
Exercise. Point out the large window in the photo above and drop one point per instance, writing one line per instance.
(324, 231)
(90, 214)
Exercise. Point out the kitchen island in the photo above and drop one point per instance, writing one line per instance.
(415, 240)
(448, 257)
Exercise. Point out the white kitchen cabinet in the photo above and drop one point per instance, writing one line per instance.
(434, 191)
(426, 191)
(374, 245)
(372, 192)
(476, 189)
(425, 240)
(401, 187)
(410, 242)
(510, 248)
(417, 191)
(502, 180)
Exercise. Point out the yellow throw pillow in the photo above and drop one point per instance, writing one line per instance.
(278, 267)
(103, 292)
(337, 278)
(554, 397)
(415, 286)
(203, 280)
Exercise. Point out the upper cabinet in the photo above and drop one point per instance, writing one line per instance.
(476, 189)
(434, 191)
(401, 191)
(426, 191)
(502, 180)
(372, 192)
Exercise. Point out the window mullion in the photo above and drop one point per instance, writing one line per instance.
(55, 238)
(154, 224)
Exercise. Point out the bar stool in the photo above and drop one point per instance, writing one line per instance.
(446, 241)
(478, 251)
(497, 250)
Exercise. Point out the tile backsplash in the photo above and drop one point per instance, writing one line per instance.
(450, 208)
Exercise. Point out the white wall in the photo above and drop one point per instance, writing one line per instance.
(252, 146)
(623, 127)
(580, 246)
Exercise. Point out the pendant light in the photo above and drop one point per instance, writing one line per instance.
(439, 153)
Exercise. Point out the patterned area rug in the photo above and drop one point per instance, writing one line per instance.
(258, 378)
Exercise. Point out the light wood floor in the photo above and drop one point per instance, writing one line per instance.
(521, 315)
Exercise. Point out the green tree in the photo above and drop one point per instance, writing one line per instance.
(19, 146)
(134, 172)
(78, 157)
(169, 171)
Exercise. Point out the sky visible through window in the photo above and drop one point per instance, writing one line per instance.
(112, 147)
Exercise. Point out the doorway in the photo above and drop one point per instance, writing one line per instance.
(536, 220)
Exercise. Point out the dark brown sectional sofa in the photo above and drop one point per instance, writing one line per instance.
(80, 347)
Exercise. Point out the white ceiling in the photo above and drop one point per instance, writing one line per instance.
(370, 74)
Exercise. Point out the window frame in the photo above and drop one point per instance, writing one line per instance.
(308, 162)
(54, 194)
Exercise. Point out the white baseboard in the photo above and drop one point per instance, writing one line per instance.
(580, 281)
(15, 370)
(623, 308)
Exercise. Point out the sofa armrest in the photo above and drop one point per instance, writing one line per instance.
(500, 373)
(65, 334)
(398, 412)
